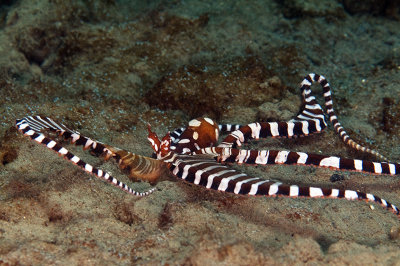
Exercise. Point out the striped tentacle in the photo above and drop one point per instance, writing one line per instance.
(228, 128)
(138, 167)
(271, 129)
(309, 101)
(31, 127)
(309, 120)
(212, 175)
(263, 157)
(310, 111)
(38, 123)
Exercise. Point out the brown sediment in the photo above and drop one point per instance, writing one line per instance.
(200, 91)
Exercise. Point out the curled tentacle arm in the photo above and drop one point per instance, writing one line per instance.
(309, 120)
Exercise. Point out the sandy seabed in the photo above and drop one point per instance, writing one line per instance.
(106, 68)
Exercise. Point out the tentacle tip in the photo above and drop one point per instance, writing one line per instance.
(148, 192)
